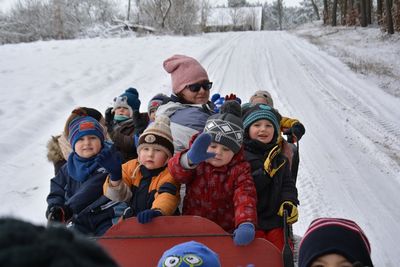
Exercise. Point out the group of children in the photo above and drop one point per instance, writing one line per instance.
(237, 170)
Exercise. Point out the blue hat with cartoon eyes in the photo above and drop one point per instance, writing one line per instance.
(189, 254)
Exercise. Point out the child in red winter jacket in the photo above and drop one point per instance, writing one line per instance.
(218, 181)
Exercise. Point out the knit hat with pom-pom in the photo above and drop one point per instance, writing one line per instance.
(184, 71)
(226, 128)
(158, 134)
(129, 99)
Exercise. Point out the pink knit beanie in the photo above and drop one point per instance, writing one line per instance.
(184, 70)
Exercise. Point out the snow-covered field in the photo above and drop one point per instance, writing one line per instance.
(350, 155)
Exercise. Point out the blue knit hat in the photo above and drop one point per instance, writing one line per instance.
(189, 254)
(261, 112)
(82, 126)
(334, 235)
(129, 99)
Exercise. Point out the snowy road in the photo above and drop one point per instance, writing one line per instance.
(350, 155)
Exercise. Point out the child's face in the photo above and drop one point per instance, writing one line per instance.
(122, 111)
(259, 100)
(152, 158)
(223, 155)
(331, 260)
(88, 146)
(262, 130)
(152, 115)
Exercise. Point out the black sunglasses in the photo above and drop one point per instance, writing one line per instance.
(197, 86)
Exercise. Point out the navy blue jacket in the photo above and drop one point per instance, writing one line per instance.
(93, 213)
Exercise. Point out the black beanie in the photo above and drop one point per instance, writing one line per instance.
(334, 235)
(226, 127)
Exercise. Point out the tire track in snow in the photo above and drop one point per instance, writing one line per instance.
(350, 100)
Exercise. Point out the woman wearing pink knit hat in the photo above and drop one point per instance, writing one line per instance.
(189, 107)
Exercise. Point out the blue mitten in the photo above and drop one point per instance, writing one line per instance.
(146, 216)
(215, 97)
(244, 234)
(198, 151)
(110, 159)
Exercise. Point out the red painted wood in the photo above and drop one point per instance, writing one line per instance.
(134, 244)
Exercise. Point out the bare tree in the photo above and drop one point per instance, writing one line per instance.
(363, 12)
(280, 13)
(205, 13)
(184, 17)
(379, 11)
(388, 15)
(237, 3)
(315, 7)
(334, 12)
(157, 11)
(129, 10)
(236, 16)
(325, 13)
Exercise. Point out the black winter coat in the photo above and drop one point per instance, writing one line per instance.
(123, 134)
(271, 191)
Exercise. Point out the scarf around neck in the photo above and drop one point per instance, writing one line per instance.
(80, 168)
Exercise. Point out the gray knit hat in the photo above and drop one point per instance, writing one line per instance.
(264, 95)
(226, 128)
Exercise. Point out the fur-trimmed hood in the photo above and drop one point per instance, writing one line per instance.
(58, 149)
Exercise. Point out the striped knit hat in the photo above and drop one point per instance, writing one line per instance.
(257, 112)
(334, 235)
(158, 134)
(84, 125)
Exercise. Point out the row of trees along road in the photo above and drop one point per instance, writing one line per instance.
(31, 20)
(386, 13)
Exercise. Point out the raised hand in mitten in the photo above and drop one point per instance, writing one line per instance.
(295, 132)
(293, 214)
(110, 159)
(109, 117)
(244, 234)
(59, 214)
(198, 151)
(233, 97)
(146, 216)
(298, 130)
